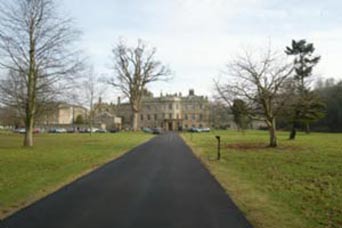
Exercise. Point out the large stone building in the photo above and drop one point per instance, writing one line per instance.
(169, 112)
(107, 120)
(62, 115)
(173, 112)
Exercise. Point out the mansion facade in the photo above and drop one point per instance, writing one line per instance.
(169, 112)
(172, 112)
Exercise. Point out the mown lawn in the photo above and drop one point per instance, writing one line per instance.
(29, 174)
(298, 184)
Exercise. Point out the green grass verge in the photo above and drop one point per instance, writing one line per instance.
(298, 184)
(27, 175)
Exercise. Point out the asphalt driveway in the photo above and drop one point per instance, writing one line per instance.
(159, 184)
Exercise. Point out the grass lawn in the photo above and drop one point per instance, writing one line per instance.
(298, 184)
(29, 174)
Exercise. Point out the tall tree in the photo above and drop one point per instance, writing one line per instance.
(93, 91)
(259, 82)
(306, 107)
(135, 68)
(36, 48)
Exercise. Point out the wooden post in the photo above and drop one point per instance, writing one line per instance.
(218, 147)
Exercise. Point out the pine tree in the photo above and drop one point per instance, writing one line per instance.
(307, 106)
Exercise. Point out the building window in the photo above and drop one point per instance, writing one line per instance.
(193, 117)
(177, 116)
(186, 117)
(170, 106)
(186, 126)
(148, 107)
(177, 106)
(148, 117)
(141, 117)
(164, 115)
(155, 117)
(170, 116)
(201, 117)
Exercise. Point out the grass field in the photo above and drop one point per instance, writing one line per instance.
(29, 174)
(298, 184)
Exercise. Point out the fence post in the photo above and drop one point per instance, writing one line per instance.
(218, 147)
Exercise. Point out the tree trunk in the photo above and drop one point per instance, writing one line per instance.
(273, 134)
(293, 132)
(28, 139)
(307, 128)
(135, 121)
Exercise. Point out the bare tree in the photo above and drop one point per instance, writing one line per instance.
(36, 48)
(260, 83)
(135, 68)
(92, 90)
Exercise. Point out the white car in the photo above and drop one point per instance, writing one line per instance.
(60, 130)
(20, 130)
(205, 129)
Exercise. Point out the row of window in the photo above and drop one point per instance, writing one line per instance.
(170, 106)
(170, 116)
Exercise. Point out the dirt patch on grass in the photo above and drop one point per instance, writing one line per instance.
(260, 146)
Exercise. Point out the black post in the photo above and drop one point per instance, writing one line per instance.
(218, 147)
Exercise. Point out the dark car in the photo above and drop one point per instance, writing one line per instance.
(157, 131)
(71, 130)
(87, 130)
(114, 130)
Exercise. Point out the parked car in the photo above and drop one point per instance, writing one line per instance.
(84, 130)
(71, 130)
(20, 130)
(147, 130)
(194, 129)
(100, 131)
(157, 131)
(207, 129)
(57, 130)
(36, 131)
(114, 130)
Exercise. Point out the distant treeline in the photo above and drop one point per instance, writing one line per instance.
(331, 93)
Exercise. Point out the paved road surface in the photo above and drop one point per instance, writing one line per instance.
(160, 184)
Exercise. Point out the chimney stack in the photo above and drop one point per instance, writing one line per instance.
(191, 92)
(119, 101)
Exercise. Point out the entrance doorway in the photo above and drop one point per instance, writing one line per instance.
(170, 126)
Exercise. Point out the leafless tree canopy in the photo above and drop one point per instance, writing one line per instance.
(261, 82)
(135, 67)
(36, 48)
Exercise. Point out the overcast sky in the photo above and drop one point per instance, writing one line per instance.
(196, 38)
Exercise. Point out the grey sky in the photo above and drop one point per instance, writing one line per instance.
(196, 38)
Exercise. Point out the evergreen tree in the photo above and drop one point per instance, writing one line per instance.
(306, 107)
(240, 113)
